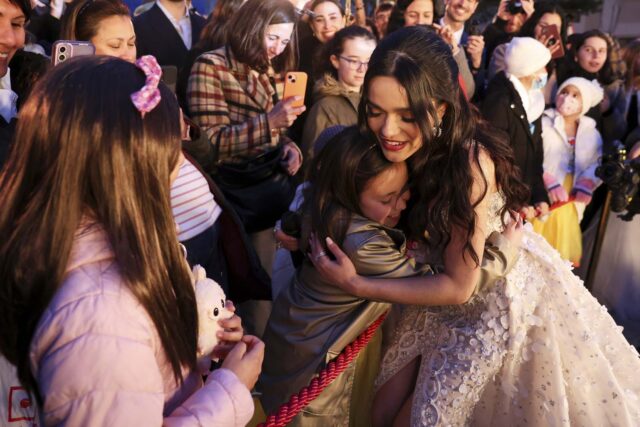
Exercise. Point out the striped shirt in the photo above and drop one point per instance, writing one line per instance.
(194, 209)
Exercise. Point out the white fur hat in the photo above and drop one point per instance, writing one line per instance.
(591, 92)
(525, 55)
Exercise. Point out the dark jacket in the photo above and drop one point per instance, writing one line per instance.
(247, 279)
(6, 138)
(156, 35)
(503, 108)
(333, 105)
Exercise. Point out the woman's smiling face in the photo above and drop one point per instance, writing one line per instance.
(391, 120)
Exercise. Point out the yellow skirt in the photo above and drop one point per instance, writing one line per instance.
(562, 228)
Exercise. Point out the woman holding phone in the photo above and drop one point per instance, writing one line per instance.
(235, 95)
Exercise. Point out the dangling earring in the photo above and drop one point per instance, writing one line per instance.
(437, 131)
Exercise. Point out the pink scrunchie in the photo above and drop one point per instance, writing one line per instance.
(147, 98)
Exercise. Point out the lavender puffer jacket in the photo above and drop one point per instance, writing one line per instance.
(98, 359)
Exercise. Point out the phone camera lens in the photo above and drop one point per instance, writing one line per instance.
(63, 49)
(62, 57)
(293, 80)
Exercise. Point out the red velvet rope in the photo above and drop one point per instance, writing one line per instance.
(335, 367)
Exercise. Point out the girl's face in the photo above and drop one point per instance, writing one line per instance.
(592, 54)
(386, 196)
(116, 37)
(419, 12)
(276, 38)
(352, 63)
(546, 20)
(391, 120)
(569, 101)
(327, 22)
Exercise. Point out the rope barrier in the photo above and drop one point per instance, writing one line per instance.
(335, 367)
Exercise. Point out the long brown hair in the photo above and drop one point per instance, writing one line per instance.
(249, 26)
(82, 17)
(442, 177)
(83, 151)
(631, 56)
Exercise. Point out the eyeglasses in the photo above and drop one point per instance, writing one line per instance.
(354, 64)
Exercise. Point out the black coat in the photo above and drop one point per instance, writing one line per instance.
(156, 35)
(247, 279)
(7, 131)
(503, 108)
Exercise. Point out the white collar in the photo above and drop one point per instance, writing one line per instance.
(532, 100)
(170, 16)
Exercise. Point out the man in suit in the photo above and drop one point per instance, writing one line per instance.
(168, 30)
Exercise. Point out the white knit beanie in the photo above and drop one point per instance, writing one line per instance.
(591, 91)
(525, 55)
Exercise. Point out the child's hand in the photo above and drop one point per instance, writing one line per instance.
(245, 360)
(558, 194)
(283, 240)
(514, 230)
(542, 208)
(231, 333)
(528, 212)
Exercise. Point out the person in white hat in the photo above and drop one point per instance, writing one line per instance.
(572, 147)
(514, 104)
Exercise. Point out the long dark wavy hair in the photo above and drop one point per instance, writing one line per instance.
(442, 179)
(338, 175)
(542, 8)
(84, 153)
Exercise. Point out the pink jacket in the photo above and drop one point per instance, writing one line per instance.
(98, 360)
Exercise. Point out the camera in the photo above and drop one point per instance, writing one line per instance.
(291, 78)
(622, 176)
(514, 7)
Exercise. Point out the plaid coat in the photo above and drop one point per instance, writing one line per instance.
(230, 102)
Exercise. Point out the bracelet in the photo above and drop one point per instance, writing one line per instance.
(553, 187)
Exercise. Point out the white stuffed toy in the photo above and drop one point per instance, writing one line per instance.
(210, 299)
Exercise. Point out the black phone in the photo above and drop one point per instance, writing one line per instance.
(474, 28)
(515, 6)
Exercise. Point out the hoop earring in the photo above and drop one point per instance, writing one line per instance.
(437, 131)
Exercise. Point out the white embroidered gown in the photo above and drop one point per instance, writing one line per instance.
(536, 349)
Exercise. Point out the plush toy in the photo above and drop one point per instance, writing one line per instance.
(210, 299)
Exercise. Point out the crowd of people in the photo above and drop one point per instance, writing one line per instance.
(328, 168)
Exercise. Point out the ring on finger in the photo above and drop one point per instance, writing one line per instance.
(320, 255)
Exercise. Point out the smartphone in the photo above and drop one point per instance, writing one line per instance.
(515, 6)
(474, 27)
(295, 84)
(553, 37)
(62, 50)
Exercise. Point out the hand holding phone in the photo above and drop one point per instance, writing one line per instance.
(63, 50)
(295, 84)
(550, 37)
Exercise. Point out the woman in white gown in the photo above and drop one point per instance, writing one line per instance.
(534, 349)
